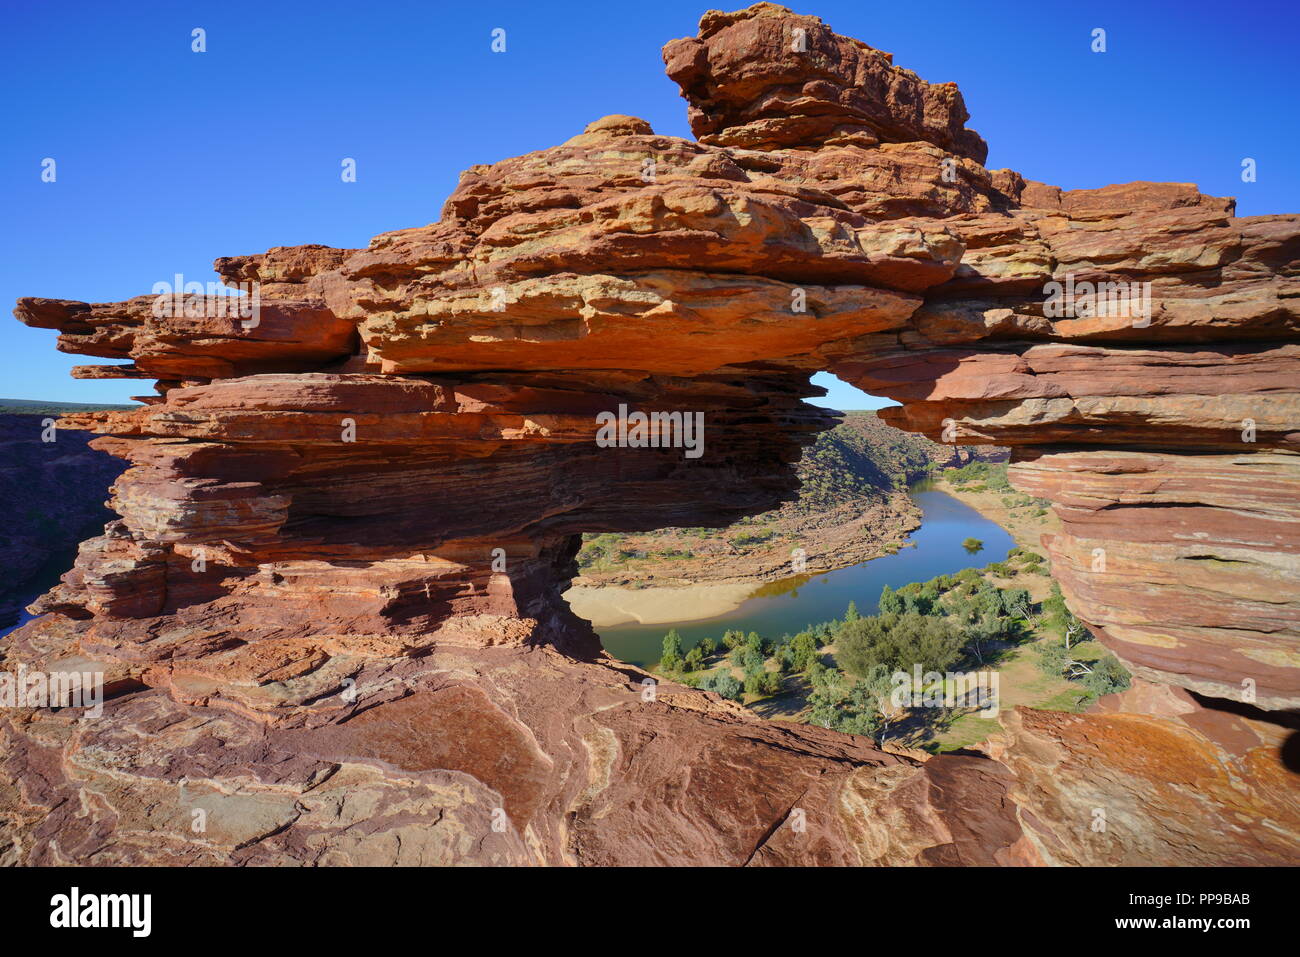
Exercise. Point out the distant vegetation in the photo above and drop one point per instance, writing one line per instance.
(992, 477)
(40, 406)
(859, 458)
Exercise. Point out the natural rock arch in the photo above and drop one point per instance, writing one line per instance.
(320, 499)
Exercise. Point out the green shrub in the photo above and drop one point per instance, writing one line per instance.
(762, 683)
(721, 683)
(1107, 676)
(1052, 658)
(803, 651)
(897, 642)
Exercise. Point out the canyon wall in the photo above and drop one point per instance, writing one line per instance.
(53, 488)
(330, 611)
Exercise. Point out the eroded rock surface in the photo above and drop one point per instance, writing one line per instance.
(330, 612)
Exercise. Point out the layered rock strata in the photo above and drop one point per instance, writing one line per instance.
(330, 612)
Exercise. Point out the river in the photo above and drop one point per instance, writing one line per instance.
(786, 606)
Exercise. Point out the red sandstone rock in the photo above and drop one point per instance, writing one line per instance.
(765, 78)
(834, 214)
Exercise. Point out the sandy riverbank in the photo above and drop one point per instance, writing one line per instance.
(610, 605)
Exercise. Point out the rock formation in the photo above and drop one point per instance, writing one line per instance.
(329, 615)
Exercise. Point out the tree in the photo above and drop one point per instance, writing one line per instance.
(1107, 676)
(694, 658)
(830, 691)
(870, 701)
(988, 601)
(980, 633)
(1058, 614)
(707, 647)
(960, 608)
(918, 604)
(803, 651)
(890, 602)
(728, 687)
(1052, 658)
(732, 639)
(762, 683)
(852, 613)
(1074, 633)
(772, 683)
(1059, 661)
(898, 642)
(1015, 602)
(672, 644)
(860, 707)
(722, 684)
(818, 673)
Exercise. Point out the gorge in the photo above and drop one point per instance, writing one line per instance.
(330, 612)
(787, 605)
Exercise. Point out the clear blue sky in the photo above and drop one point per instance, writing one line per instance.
(168, 158)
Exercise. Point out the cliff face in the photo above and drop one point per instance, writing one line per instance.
(330, 611)
(54, 495)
